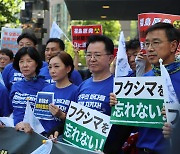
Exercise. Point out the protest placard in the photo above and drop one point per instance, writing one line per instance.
(86, 128)
(140, 100)
(80, 34)
(41, 110)
(9, 38)
(145, 20)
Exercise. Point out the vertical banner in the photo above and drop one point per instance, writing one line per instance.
(146, 20)
(86, 128)
(140, 100)
(9, 38)
(80, 34)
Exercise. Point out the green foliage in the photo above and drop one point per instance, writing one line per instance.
(9, 10)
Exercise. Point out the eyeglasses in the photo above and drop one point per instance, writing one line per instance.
(95, 55)
(154, 44)
(3, 58)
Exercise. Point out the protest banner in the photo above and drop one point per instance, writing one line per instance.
(86, 128)
(41, 110)
(140, 100)
(9, 38)
(146, 20)
(80, 34)
(18, 142)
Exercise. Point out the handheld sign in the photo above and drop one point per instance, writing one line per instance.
(80, 34)
(41, 110)
(9, 38)
(86, 128)
(140, 100)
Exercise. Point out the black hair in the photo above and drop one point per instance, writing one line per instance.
(132, 44)
(66, 59)
(171, 32)
(7, 52)
(109, 45)
(28, 35)
(33, 53)
(57, 40)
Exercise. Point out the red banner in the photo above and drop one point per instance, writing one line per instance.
(80, 34)
(146, 20)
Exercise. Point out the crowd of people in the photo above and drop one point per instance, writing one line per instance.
(25, 74)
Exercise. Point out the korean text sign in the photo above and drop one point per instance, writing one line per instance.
(86, 128)
(9, 38)
(80, 34)
(140, 100)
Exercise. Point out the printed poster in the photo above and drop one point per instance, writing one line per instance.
(140, 100)
(41, 110)
(86, 128)
(9, 38)
(80, 34)
(146, 20)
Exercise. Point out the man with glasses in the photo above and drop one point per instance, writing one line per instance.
(94, 92)
(162, 40)
(6, 57)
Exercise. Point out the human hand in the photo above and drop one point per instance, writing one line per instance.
(2, 125)
(167, 130)
(76, 50)
(113, 99)
(163, 112)
(54, 136)
(22, 126)
(56, 111)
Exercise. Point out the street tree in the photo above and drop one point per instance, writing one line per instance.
(9, 10)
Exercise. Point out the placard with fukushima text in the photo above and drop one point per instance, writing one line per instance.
(140, 100)
(86, 128)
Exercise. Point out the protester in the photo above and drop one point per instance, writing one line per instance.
(132, 48)
(6, 57)
(162, 40)
(28, 62)
(9, 74)
(53, 46)
(5, 106)
(99, 55)
(60, 68)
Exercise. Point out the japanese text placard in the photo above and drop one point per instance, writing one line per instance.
(86, 128)
(140, 100)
